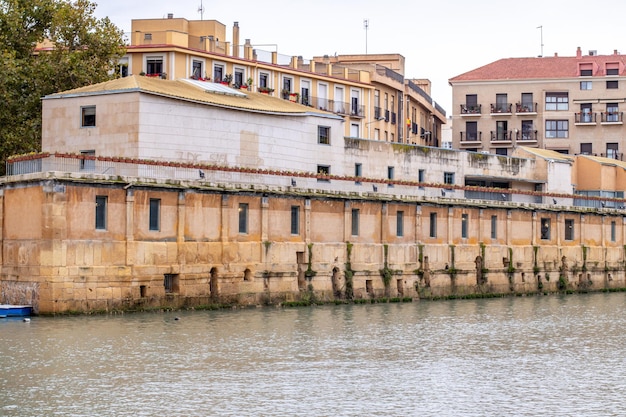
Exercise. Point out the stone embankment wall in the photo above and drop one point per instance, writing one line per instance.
(174, 245)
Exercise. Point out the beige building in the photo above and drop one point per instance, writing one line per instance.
(168, 193)
(370, 92)
(571, 104)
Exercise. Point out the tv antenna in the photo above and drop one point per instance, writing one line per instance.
(201, 10)
(366, 25)
(541, 29)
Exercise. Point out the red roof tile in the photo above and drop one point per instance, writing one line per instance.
(546, 67)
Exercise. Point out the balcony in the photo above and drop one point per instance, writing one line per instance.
(471, 138)
(526, 108)
(470, 110)
(612, 118)
(501, 137)
(583, 118)
(501, 108)
(377, 113)
(526, 136)
(393, 118)
(387, 112)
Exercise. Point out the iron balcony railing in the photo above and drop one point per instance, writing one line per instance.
(470, 109)
(584, 117)
(501, 108)
(526, 108)
(526, 135)
(612, 117)
(471, 136)
(501, 136)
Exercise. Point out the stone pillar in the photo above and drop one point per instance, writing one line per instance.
(384, 222)
(307, 220)
(347, 221)
(265, 218)
(450, 223)
(130, 225)
(224, 221)
(509, 227)
(481, 216)
(533, 225)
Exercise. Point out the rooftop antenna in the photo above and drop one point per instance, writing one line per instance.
(366, 25)
(541, 29)
(201, 10)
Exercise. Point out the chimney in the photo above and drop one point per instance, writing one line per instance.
(615, 52)
(236, 39)
(170, 15)
(579, 52)
(556, 54)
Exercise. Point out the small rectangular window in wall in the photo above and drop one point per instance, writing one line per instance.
(569, 229)
(101, 212)
(586, 85)
(155, 214)
(612, 85)
(464, 221)
(243, 218)
(433, 225)
(421, 175)
(323, 170)
(323, 135)
(390, 175)
(88, 164)
(88, 116)
(545, 229)
(613, 231)
(355, 222)
(358, 172)
(494, 227)
(400, 223)
(295, 220)
(448, 178)
(170, 282)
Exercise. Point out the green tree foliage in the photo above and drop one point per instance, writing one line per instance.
(48, 46)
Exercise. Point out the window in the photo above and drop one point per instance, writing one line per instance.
(612, 112)
(287, 84)
(586, 148)
(400, 223)
(155, 208)
(448, 178)
(101, 212)
(88, 164)
(471, 131)
(502, 130)
(612, 85)
(295, 220)
(88, 116)
(527, 130)
(154, 65)
(170, 282)
(218, 73)
(502, 151)
(243, 218)
(557, 128)
(494, 227)
(527, 102)
(471, 103)
(323, 170)
(358, 172)
(569, 229)
(585, 85)
(263, 79)
(323, 135)
(355, 222)
(147, 36)
(557, 101)
(501, 104)
(464, 220)
(613, 231)
(390, 175)
(196, 70)
(421, 175)
(433, 225)
(612, 68)
(611, 150)
(545, 229)
(239, 77)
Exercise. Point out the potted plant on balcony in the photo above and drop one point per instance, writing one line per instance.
(227, 79)
(249, 82)
(265, 90)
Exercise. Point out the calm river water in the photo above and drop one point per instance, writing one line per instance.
(533, 356)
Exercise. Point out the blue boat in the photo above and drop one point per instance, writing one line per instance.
(10, 310)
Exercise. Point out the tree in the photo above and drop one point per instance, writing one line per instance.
(78, 50)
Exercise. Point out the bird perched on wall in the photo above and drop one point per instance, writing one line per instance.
(201, 173)
(443, 193)
(554, 201)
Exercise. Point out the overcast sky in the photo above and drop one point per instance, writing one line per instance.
(439, 39)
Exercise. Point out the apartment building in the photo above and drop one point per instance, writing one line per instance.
(370, 92)
(571, 105)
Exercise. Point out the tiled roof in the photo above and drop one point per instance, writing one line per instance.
(537, 68)
(181, 89)
(548, 154)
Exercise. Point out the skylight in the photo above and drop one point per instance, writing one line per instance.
(215, 88)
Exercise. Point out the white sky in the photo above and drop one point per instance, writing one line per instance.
(438, 38)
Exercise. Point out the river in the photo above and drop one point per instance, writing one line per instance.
(525, 356)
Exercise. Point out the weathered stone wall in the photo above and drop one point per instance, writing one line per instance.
(204, 251)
